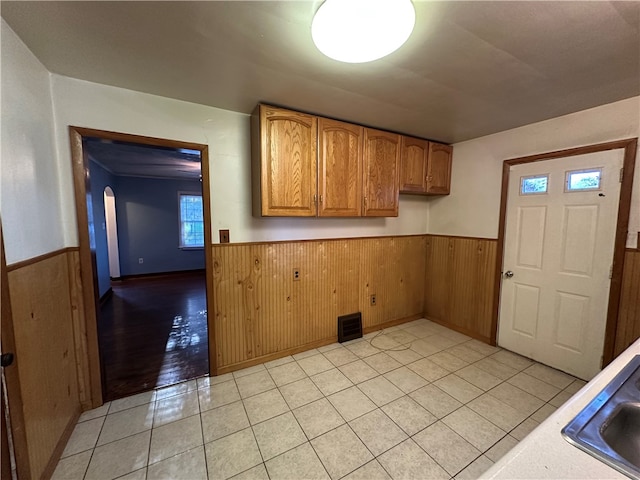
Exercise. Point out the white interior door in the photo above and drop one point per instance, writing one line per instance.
(558, 255)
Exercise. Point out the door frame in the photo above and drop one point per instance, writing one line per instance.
(630, 147)
(88, 271)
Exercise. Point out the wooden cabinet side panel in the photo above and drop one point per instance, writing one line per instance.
(413, 165)
(381, 164)
(288, 162)
(340, 162)
(439, 170)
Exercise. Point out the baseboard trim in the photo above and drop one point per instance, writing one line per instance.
(462, 330)
(308, 346)
(392, 323)
(106, 296)
(62, 443)
(177, 273)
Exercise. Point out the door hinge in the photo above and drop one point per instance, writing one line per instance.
(611, 272)
(621, 174)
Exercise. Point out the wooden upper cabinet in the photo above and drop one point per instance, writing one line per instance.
(425, 167)
(340, 168)
(381, 170)
(414, 156)
(287, 162)
(439, 170)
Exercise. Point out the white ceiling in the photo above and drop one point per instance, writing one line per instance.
(469, 69)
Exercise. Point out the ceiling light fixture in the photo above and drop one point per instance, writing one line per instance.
(359, 31)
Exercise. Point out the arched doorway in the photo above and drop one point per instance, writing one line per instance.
(112, 232)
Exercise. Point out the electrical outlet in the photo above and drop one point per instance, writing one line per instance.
(373, 300)
(224, 236)
(296, 274)
(141, 260)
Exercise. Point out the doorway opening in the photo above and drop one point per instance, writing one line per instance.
(146, 257)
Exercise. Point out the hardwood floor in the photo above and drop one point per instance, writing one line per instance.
(153, 332)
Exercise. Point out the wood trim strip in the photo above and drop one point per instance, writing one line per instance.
(464, 331)
(57, 453)
(80, 168)
(499, 253)
(630, 147)
(391, 323)
(460, 237)
(571, 152)
(39, 258)
(615, 291)
(146, 276)
(131, 138)
(208, 258)
(309, 346)
(12, 376)
(79, 330)
(310, 240)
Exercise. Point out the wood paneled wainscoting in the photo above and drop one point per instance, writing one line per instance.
(459, 283)
(628, 327)
(48, 325)
(263, 313)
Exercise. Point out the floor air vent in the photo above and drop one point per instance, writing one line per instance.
(349, 327)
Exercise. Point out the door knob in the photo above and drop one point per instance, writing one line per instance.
(6, 359)
(508, 274)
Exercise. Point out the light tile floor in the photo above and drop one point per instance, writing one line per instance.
(416, 401)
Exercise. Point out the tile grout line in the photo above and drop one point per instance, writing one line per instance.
(324, 396)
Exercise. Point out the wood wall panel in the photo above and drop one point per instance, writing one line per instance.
(44, 340)
(459, 283)
(261, 310)
(628, 328)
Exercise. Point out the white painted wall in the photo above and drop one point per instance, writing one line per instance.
(472, 209)
(92, 105)
(36, 199)
(29, 183)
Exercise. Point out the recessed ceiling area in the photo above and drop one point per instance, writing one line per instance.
(468, 69)
(136, 160)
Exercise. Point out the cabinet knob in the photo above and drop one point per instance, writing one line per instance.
(320, 198)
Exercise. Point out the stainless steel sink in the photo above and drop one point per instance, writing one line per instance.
(609, 426)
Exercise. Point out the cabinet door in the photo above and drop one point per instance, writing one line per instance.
(340, 182)
(288, 162)
(381, 165)
(439, 171)
(413, 165)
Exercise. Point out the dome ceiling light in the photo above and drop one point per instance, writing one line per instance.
(359, 31)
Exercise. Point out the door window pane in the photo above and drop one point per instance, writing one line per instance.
(580, 180)
(534, 185)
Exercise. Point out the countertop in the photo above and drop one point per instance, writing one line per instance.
(544, 453)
